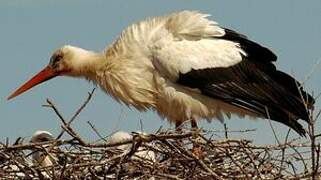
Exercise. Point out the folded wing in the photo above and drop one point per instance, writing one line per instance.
(237, 71)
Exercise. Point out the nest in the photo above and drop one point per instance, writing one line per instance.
(219, 158)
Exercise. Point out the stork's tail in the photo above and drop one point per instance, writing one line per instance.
(299, 104)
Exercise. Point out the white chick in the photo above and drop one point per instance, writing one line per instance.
(39, 157)
(121, 136)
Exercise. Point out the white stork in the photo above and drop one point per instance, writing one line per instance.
(39, 157)
(142, 153)
(186, 67)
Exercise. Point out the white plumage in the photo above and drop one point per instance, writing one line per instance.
(186, 67)
(40, 157)
(144, 63)
(121, 136)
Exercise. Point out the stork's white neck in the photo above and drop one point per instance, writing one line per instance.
(83, 63)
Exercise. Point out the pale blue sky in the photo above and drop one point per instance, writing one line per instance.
(31, 30)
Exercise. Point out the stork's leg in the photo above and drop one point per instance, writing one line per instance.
(178, 126)
(197, 149)
(194, 124)
(178, 129)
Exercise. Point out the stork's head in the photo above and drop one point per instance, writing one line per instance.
(66, 61)
(41, 136)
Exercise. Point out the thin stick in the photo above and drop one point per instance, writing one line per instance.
(96, 131)
(314, 68)
(270, 123)
(90, 94)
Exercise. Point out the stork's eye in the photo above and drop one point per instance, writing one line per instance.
(55, 59)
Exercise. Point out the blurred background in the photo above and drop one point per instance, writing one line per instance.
(31, 30)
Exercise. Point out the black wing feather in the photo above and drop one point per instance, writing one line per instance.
(254, 84)
(255, 51)
(262, 57)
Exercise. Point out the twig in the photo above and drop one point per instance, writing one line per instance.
(96, 131)
(51, 105)
(283, 151)
(314, 68)
(90, 94)
(201, 163)
(270, 123)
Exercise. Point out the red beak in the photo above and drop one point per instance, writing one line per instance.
(44, 75)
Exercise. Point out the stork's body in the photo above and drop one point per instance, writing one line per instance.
(41, 158)
(186, 67)
(141, 153)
